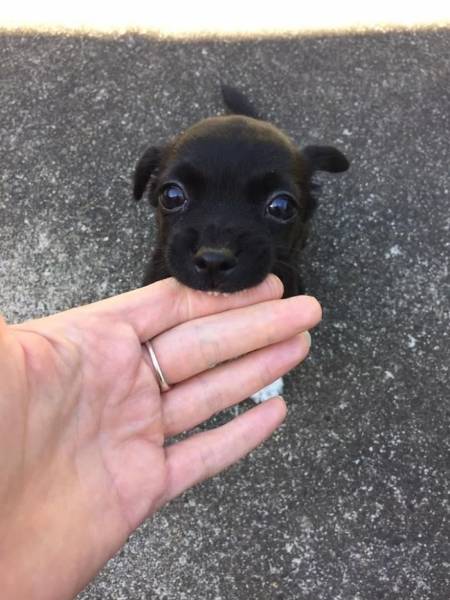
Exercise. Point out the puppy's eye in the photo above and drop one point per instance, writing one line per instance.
(172, 197)
(281, 207)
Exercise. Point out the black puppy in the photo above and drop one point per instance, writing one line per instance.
(233, 199)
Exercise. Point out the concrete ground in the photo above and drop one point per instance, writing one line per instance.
(350, 499)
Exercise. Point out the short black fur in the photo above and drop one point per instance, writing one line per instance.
(233, 196)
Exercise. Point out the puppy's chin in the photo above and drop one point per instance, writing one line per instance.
(253, 265)
(205, 284)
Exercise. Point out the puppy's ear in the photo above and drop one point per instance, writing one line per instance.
(325, 158)
(145, 168)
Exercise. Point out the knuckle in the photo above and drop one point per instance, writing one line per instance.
(209, 349)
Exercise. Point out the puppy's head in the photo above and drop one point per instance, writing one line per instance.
(232, 197)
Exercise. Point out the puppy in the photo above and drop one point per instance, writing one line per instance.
(233, 196)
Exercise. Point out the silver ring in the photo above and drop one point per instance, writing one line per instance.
(163, 385)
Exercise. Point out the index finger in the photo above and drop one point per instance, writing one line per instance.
(162, 305)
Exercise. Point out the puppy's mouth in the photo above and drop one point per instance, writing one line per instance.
(220, 268)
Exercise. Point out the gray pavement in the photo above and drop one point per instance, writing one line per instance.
(350, 499)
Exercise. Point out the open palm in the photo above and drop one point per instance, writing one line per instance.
(83, 439)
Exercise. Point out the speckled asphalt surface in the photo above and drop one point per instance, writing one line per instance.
(350, 499)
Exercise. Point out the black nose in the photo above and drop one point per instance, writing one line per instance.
(214, 260)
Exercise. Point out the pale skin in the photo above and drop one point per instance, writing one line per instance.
(83, 424)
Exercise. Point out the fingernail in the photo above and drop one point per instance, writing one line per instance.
(276, 283)
(307, 337)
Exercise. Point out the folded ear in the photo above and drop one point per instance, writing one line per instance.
(325, 158)
(145, 168)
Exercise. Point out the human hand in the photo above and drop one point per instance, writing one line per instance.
(83, 423)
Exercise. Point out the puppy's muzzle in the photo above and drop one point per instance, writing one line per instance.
(214, 262)
(238, 260)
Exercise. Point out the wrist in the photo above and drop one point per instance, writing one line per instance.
(49, 550)
(41, 557)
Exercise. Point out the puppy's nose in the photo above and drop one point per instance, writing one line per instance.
(214, 260)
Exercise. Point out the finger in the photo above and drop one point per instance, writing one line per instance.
(3, 327)
(197, 399)
(193, 347)
(167, 303)
(164, 304)
(205, 454)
